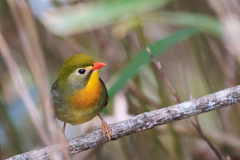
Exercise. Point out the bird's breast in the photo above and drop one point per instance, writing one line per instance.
(89, 95)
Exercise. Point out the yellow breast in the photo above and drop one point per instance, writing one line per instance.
(88, 96)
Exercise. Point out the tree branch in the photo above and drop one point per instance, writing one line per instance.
(165, 77)
(177, 100)
(143, 122)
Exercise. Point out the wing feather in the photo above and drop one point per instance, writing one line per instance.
(106, 97)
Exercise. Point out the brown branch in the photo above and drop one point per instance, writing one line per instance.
(144, 121)
(159, 67)
(199, 130)
(177, 100)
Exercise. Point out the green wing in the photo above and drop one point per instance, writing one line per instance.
(53, 96)
(104, 94)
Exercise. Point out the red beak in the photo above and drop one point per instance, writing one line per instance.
(98, 65)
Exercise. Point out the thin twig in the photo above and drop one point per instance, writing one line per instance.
(221, 138)
(177, 100)
(199, 130)
(159, 67)
(144, 121)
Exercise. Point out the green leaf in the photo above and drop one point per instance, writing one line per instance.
(201, 22)
(158, 48)
(79, 18)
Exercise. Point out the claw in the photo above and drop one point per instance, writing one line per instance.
(63, 142)
(105, 127)
(103, 131)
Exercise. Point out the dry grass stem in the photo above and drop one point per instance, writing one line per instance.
(22, 90)
(31, 46)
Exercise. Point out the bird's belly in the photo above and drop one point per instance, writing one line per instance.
(77, 115)
(82, 106)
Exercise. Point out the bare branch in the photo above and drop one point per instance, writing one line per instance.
(198, 128)
(159, 67)
(177, 100)
(200, 132)
(144, 121)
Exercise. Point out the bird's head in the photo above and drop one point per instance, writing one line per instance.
(77, 71)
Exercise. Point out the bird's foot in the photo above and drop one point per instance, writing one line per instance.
(105, 126)
(63, 142)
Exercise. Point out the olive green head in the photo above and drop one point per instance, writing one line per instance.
(76, 71)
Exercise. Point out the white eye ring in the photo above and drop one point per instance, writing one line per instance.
(81, 71)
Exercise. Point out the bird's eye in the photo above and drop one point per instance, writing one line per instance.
(81, 71)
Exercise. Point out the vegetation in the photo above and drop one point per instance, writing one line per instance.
(197, 43)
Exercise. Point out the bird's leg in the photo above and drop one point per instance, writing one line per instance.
(64, 141)
(105, 126)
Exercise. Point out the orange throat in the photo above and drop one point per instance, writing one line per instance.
(88, 96)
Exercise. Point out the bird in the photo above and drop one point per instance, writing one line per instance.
(79, 94)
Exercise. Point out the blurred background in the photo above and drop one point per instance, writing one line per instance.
(197, 43)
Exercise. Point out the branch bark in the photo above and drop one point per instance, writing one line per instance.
(144, 121)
